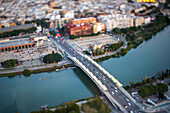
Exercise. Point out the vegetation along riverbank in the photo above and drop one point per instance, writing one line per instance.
(28, 72)
(136, 35)
(89, 105)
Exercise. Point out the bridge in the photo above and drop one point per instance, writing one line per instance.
(107, 84)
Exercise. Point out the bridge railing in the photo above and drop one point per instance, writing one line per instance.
(103, 70)
(89, 73)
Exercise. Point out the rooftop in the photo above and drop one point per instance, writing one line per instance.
(24, 26)
(15, 42)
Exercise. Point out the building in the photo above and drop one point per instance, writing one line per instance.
(138, 21)
(78, 29)
(137, 10)
(60, 23)
(116, 21)
(162, 1)
(84, 20)
(68, 14)
(95, 46)
(18, 27)
(15, 44)
(21, 42)
(98, 27)
(38, 40)
(147, 20)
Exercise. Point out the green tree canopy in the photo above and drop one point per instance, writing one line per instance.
(10, 63)
(162, 88)
(51, 58)
(26, 72)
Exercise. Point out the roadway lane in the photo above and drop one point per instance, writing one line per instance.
(112, 88)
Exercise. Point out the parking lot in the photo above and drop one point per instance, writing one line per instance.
(84, 43)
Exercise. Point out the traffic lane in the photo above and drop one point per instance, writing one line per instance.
(118, 93)
(110, 89)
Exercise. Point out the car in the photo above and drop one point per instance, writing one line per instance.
(113, 93)
(127, 99)
(131, 112)
(115, 87)
(103, 76)
(116, 91)
(93, 69)
(129, 104)
(111, 86)
(71, 49)
(73, 52)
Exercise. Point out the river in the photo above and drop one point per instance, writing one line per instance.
(24, 94)
(147, 59)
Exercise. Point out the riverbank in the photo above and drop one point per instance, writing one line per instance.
(39, 69)
(91, 104)
(136, 35)
(149, 80)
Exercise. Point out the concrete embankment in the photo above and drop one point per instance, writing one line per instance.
(37, 69)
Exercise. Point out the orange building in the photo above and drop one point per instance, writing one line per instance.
(98, 27)
(77, 30)
(84, 20)
(15, 44)
(52, 3)
(12, 24)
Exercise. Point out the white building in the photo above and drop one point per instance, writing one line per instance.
(116, 21)
(147, 20)
(69, 14)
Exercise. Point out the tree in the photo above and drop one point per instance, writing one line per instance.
(138, 84)
(117, 30)
(26, 72)
(144, 80)
(51, 58)
(162, 87)
(10, 63)
(143, 92)
(132, 84)
(161, 95)
(123, 51)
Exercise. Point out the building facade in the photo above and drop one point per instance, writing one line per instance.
(78, 29)
(98, 27)
(84, 20)
(138, 21)
(116, 21)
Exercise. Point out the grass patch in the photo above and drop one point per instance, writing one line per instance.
(95, 106)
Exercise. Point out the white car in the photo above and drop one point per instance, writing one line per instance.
(113, 93)
(115, 87)
(129, 104)
(127, 99)
(116, 91)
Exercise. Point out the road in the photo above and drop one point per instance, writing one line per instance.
(116, 93)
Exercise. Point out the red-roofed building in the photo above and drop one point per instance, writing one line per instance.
(78, 29)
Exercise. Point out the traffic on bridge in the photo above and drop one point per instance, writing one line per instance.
(112, 90)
